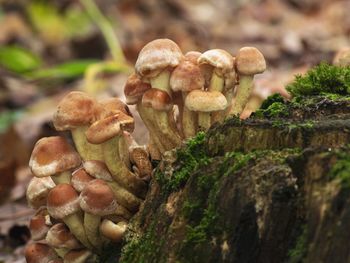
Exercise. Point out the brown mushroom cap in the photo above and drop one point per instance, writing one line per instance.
(62, 201)
(98, 199)
(59, 236)
(75, 109)
(80, 178)
(193, 56)
(205, 101)
(157, 99)
(39, 225)
(186, 77)
(250, 61)
(98, 170)
(78, 256)
(107, 128)
(134, 89)
(53, 155)
(37, 191)
(37, 252)
(156, 56)
(113, 105)
(219, 59)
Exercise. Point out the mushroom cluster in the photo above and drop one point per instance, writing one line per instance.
(85, 197)
(177, 94)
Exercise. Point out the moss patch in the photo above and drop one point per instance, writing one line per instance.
(298, 253)
(341, 169)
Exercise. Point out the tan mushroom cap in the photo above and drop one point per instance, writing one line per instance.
(205, 101)
(186, 77)
(157, 99)
(112, 231)
(98, 170)
(134, 89)
(107, 128)
(219, 59)
(77, 256)
(38, 252)
(62, 201)
(156, 56)
(37, 191)
(39, 225)
(98, 199)
(112, 106)
(193, 56)
(75, 109)
(250, 61)
(342, 57)
(53, 155)
(80, 178)
(59, 236)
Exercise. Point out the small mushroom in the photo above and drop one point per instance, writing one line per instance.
(112, 231)
(80, 256)
(38, 252)
(37, 191)
(63, 203)
(61, 239)
(53, 156)
(39, 224)
(80, 178)
(249, 61)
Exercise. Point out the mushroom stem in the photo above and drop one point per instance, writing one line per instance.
(62, 178)
(120, 172)
(204, 121)
(243, 93)
(61, 251)
(91, 225)
(189, 119)
(216, 83)
(75, 225)
(161, 81)
(86, 150)
(153, 149)
(124, 197)
(166, 129)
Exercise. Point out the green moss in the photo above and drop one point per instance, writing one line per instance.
(276, 109)
(323, 78)
(341, 169)
(298, 253)
(270, 100)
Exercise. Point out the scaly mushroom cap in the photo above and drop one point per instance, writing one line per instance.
(219, 59)
(59, 236)
(62, 201)
(250, 61)
(186, 77)
(193, 56)
(37, 252)
(140, 157)
(98, 199)
(80, 178)
(112, 231)
(37, 191)
(134, 89)
(75, 109)
(107, 128)
(77, 256)
(205, 101)
(98, 170)
(39, 225)
(53, 155)
(342, 57)
(113, 105)
(156, 56)
(157, 99)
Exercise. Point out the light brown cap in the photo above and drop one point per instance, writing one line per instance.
(186, 77)
(75, 109)
(193, 56)
(140, 157)
(98, 170)
(157, 99)
(80, 178)
(59, 236)
(107, 128)
(113, 105)
(134, 89)
(156, 56)
(97, 198)
(250, 61)
(37, 191)
(39, 224)
(205, 101)
(62, 201)
(342, 57)
(219, 59)
(78, 256)
(53, 155)
(112, 231)
(38, 252)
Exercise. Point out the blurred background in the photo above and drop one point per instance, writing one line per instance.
(48, 48)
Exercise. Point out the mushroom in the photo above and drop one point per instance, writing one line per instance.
(112, 231)
(107, 132)
(80, 256)
(99, 170)
(97, 200)
(37, 191)
(38, 252)
(186, 77)
(39, 224)
(80, 178)
(249, 61)
(53, 156)
(205, 102)
(63, 203)
(75, 112)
